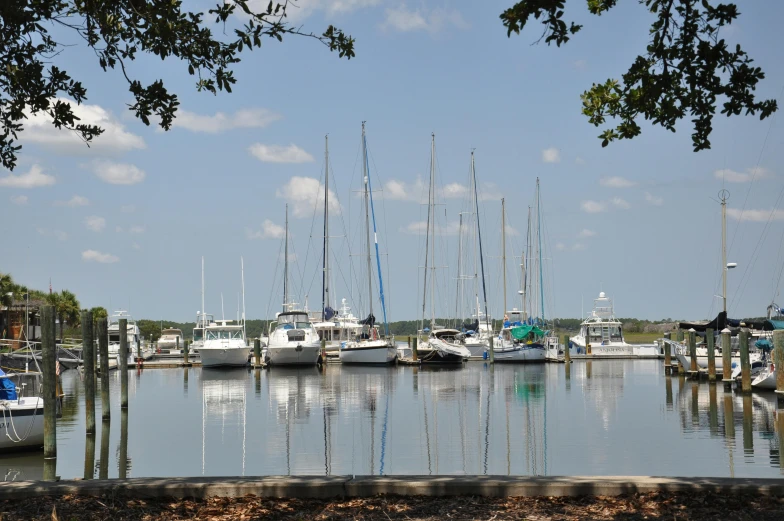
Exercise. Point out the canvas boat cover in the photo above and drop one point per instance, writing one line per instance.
(520, 332)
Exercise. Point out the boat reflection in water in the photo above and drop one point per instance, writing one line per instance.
(607, 417)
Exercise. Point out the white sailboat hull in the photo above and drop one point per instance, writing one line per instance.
(21, 424)
(224, 356)
(374, 352)
(524, 353)
(294, 354)
(765, 380)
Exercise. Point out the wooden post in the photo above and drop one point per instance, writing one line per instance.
(122, 363)
(588, 348)
(729, 417)
(257, 352)
(679, 335)
(667, 354)
(48, 359)
(89, 457)
(409, 342)
(711, 355)
(567, 354)
(713, 409)
(693, 370)
(324, 351)
(668, 393)
(778, 364)
(748, 424)
(185, 353)
(103, 349)
(414, 353)
(88, 358)
(726, 359)
(745, 363)
(490, 350)
(177, 343)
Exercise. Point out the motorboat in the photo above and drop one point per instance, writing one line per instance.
(293, 340)
(224, 345)
(21, 417)
(443, 346)
(135, 343)
(171, 341)
(605, 334)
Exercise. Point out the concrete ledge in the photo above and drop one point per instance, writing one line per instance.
(365, 486)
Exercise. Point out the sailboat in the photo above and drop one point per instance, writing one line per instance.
(443, 345)
(479, 330)
(294, 340)
(225, 344)
(523, 339)
(334, 327)
(370, 347)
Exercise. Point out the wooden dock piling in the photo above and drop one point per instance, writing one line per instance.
(103, 351)
(778, 364)
(711, 355)
(745, 363)
(693, 368)
(567, 354)
(729, 417)
(89, 457)
(122, 363)
(48, 358)
(324, 351)
(490, 350)
(726, 359)
(123, 452)
(177, 343)
(103, 458)
(667, 354)
(414, 353)
(257, 352)
(88, 358)
(748, 424)
(185, 353)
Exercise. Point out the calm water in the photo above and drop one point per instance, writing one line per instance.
(608, 417)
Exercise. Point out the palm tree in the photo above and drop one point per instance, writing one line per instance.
(7, 290)
(68, 310)
(99, 312)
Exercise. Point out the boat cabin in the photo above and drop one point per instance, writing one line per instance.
(452, 336)
(601, 327)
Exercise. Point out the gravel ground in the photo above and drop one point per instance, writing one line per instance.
(655, 506)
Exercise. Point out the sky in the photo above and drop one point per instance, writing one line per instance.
(125, 222)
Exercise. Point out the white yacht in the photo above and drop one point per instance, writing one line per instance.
(224, 345)
(171, 341)
(133, 334)
(22, 418)
(293, 341)
(443, 346)
(605, 334)
(370, 347)
(337, 329)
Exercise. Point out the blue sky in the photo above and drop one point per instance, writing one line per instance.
(126, 221)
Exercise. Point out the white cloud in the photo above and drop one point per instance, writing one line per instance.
(128, 208)
(117, 173)
(136, 229)
(306, 194)
(279, 153)
(19, 199)
(73, 202)
(97, 256)
(269, 230)
(731, 176)
(490, 192)
(511, 230)
(304, 8)
(420, 227)
(653, 199)
(34, 178)
(551, 155)
(578, 246)
(616, 182)
(454, 191)
(395, 190)
(220, 122)
(756, 215)
(95, 223)
(404, 19)
(621, 203)
(593, 206)
(39, 129)
(585, 233)
(560, 246)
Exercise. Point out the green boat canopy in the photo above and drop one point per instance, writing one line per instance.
(520, 332)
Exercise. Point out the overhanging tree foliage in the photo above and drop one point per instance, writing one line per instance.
(31, 38)
(686, 69)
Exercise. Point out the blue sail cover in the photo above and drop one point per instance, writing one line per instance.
(329, 313)
(7, 388)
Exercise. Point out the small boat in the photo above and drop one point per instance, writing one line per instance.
(135, 343)
(171, 341)
(293, 341)
(21, 418)
(225, 345)
(444, 346)
(766, 378)
(370, 347)
(336, 329)
(520, 342)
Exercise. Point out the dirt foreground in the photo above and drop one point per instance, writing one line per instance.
(654, 506)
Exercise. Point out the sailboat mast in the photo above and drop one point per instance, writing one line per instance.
(525, 265)
(203, 315)
(223, 313)
(459, 266)
(242, 271)
(325, 273)
(286, 263)
(503, 246)
(724, 196)
(375, 241)
(479, 236)
(539, 237)
(367, 220)
(432, 219)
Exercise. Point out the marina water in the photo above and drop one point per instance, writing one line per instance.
(610, 417)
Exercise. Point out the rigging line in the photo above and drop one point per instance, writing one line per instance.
(384, 241)
(756, 170)
(781, 271)
(274, 278)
